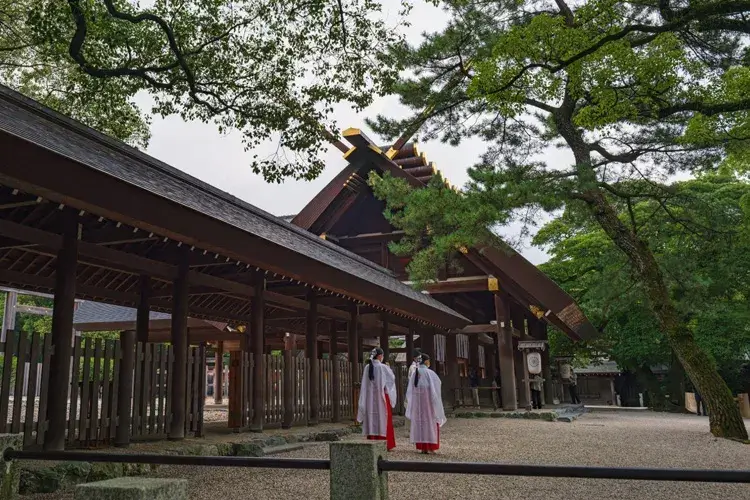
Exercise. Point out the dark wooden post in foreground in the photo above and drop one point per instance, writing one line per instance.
(333, 351)
(311, 350)
(180, 347)
(258, 345)
(125, 387)
(219, 373)
(62, 331)
(505, 354)
(353, 346)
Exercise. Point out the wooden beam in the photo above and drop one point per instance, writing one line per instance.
(62, 328)
(138, 265)
(368, 238)
(463, 284)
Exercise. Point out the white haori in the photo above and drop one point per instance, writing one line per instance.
(372, 412)
(425, 410)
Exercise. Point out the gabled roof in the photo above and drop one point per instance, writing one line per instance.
(344, 272)
(527, 284)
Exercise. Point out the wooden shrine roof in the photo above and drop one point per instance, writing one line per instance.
(49, 159)
(526, 284)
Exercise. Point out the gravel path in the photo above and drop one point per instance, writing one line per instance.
(605, 439)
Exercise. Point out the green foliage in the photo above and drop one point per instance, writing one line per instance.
(268, 69)
(635, 92)
(705, 262)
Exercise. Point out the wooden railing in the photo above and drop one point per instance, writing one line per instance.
(93, 414)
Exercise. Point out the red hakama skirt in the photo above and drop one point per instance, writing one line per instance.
(430, 446)
(390, 436)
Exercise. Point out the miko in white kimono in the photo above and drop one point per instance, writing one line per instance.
(377, 397)
(425, 410)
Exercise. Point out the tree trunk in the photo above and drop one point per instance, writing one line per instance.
(725, 418)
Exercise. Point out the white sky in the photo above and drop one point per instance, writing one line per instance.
(220, 160)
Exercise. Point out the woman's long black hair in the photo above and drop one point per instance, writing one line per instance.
(421, 360)
(373, 354)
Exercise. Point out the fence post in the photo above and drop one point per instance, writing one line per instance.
(288, 380)
(354, 471)
(11, 474)
(125, 389)
(134, 488)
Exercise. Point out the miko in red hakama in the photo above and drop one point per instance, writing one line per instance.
(377, 397)
(390, 435)
(425, 409)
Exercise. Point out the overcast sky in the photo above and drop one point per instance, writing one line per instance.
(201, 151)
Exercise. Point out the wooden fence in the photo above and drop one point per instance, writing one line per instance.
(93, 413)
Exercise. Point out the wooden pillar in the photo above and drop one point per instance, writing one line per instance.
(522, 373)
(384, 339)
(505, 353)
(236, 391)
(490, 355)
(311, 351)
(62, 331)
(125, 387)
(428, 345)
(180, 346)
(143, 312)
(287, 385)
(549, 390)
(451, 369)
(474, 352)
(219, 373)
(258, 345)
(409, 346)
(333, 351)
(353, 346)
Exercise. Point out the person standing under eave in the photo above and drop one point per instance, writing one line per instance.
(377, 397)
(425, 410)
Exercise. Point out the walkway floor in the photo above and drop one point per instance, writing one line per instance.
(617, 439)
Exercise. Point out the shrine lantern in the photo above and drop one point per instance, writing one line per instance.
(534, 363)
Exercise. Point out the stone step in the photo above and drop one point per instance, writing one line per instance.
(282, 448)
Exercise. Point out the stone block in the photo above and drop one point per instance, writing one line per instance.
(354, 471)
(131, 488)
(247, 449)
(105, 470)
(327, 436)
(11, 472)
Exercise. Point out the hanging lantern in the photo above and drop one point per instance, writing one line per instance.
(534, 362)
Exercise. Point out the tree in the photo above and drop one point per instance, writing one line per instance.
(634, 92)
(706, 273)
(266, 68)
